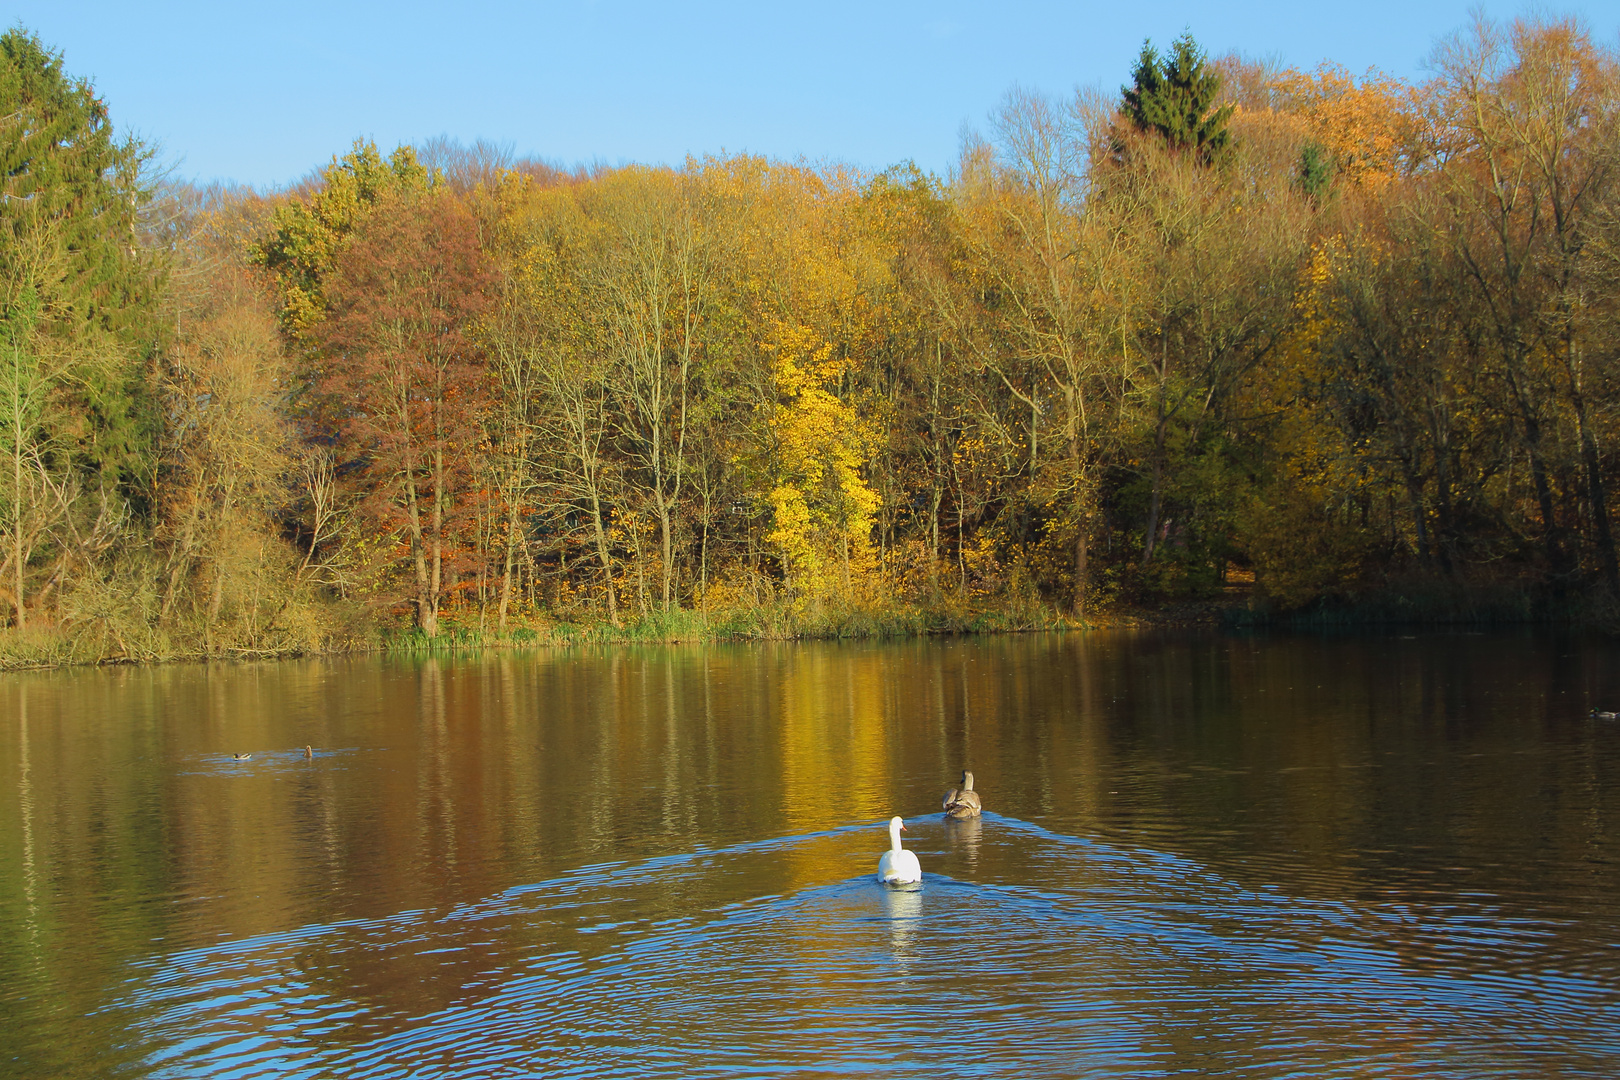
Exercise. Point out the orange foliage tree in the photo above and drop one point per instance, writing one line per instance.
(402, 382)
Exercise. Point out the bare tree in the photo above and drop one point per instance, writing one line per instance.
(1058, 265)
(1528, 120)
(651, 274)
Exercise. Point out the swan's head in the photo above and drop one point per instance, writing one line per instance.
(896, 824)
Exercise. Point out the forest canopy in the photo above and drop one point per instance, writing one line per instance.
(1277, 340)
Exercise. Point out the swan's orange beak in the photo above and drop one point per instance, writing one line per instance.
(904, 829)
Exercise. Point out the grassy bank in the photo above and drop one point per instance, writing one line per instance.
(114, 641)
(336, 631)
(775, 622)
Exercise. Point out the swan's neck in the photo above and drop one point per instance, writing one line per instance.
(894, 836)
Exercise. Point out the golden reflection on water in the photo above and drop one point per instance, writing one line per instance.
(963, 837)
(1342, 773)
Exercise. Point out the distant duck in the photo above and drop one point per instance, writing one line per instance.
(241, 757)
(309, 753)
(1599, 714)
(963, 802)
(898, 866)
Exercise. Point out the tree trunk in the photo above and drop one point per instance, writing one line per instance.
(1600, 502)
(19, 557)
(1596, 493)
(961, 533)
(1082, 516)
(425, 620)
(933, 532)
(1420, 522)
(668, 545)
(1446, 542)
(1538, 467)
(179, 562)
(437, 539)
(703, 546)
(512, 532)
(1544, 498)
(606, 557)
(1080, 558)
(1154, 500)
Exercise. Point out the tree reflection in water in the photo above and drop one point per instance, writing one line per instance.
(1346, 857)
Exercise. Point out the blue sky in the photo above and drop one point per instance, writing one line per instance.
(263, 93)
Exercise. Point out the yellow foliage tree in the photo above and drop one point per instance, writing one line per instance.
(1299, 538)
(823, 506)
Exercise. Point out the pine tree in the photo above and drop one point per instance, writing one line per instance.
(66, 182)
(1316, 169)
(60, 162)
(79, 295)
(1175, 98)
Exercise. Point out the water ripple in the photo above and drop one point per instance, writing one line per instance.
(1025, 952)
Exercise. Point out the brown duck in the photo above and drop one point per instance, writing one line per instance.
(963, 802)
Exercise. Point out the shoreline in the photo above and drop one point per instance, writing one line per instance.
(47, 648)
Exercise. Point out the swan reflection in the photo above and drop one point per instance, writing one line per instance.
(903, 904)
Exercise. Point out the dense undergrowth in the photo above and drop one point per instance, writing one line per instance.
(469, 630)
(120, 640)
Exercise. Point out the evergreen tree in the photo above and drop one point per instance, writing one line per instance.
(1174, 97)
(78, 306)
(67, 184)
(1316, 169)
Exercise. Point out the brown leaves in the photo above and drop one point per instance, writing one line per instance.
(403, 382)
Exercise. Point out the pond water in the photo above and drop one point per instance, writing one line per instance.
(1201, 854)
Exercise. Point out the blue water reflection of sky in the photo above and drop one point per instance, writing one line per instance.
(1111, 961)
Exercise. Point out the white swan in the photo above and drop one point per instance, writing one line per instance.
(898, 866)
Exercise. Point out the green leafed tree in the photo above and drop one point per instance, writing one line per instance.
(1174, 97)
(61, 164)
(308, 232)
(79, 293)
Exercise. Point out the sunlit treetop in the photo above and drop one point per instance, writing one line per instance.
(309, 231)
(62, 169)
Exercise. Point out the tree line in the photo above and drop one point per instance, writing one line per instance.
(1350, 338)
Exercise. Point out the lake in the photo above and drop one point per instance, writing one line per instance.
(1258, 856)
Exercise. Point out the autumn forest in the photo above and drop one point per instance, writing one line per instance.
(1282, 344)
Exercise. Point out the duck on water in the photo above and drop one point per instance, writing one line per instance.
(963, 802)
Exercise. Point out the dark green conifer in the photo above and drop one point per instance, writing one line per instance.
(1174, 97)
(1316, 169)
(66, 182)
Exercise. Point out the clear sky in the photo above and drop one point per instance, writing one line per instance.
(264, 92)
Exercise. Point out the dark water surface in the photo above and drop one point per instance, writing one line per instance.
(1202, 855)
